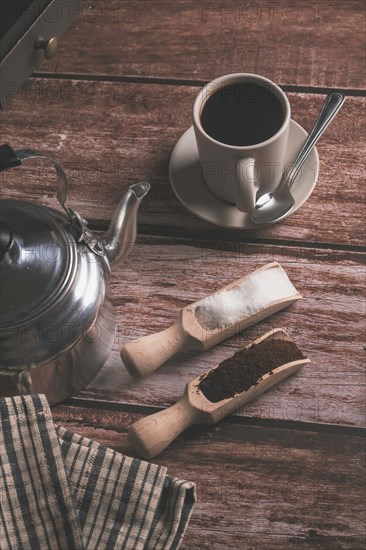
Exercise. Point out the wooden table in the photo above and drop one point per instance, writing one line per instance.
(288, 470)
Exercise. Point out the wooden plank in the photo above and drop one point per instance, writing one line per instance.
(109, 135)
(256, 487)
(163, 275)
(315, 44)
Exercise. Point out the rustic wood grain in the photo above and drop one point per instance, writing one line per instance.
(259, 485)
(256, 487)
(109, 135)
(163, 275)
(314, 43)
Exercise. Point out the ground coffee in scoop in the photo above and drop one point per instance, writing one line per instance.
(245, 368)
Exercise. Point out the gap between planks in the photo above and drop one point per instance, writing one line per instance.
(224, 236)
(144, 410)
(188, 82)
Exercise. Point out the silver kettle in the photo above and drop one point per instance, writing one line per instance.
(57, 324)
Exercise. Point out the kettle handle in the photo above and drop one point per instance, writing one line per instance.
(9, 158)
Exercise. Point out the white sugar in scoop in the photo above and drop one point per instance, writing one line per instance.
(256, 292)
(211, 320)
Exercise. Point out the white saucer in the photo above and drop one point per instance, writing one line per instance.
(188, 184)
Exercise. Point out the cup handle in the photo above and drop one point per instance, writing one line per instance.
(246, 187)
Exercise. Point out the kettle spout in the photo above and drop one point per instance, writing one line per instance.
(121, 235)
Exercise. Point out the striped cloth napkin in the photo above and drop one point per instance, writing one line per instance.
(59, 490)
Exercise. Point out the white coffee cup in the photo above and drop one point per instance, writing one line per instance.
(236, 172)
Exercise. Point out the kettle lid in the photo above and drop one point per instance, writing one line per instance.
(37, 260)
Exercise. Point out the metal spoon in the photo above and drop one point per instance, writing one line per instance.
(274, 206)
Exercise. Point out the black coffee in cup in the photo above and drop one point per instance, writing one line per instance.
(242, 114)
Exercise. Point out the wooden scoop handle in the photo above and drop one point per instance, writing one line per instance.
(143, 356)
(152, 434)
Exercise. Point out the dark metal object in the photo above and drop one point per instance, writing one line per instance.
(49, 46)
(30, 30)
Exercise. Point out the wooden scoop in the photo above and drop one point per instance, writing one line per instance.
(151, 435)
(145, 355)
